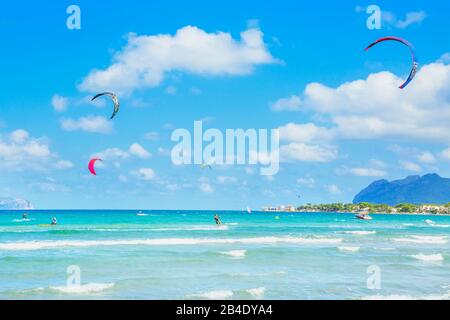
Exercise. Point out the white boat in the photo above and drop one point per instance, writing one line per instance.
(363, 216)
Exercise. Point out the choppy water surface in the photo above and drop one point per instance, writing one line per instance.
(184, 255)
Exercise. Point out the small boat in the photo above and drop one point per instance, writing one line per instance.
(363, 216)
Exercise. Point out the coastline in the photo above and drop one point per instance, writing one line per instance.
(220, 211)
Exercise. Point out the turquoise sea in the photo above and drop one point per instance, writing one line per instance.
(184, 255)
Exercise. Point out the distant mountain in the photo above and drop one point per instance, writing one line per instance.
(15, 204)
(428, 189)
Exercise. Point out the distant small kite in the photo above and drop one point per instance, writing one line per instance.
(115, 100)
(415, 62)
(91, 165)
(206, 166)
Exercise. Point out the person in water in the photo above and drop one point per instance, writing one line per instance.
(217, 219)
(25, 216)
(54, 221)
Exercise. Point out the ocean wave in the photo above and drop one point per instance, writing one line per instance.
(194, 228)
(423, 239)
(385, 249)
(434, 224)
(348, 249)
(89, 288)
(429, 257)
(68, 230)
(215, 295)
(256, 292)
(360, 233)
(235, 253)
(51, 244)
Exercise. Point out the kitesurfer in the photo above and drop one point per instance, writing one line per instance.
(54, 221)
(217, 219)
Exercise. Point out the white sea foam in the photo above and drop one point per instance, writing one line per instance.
(51, 244)
(423, 239)
(361, 233)
(429, 257)
(235, 253)
(385, 249)
(348, 249)
(89, 288)
(195, 228)
(215, 295)
(257, 292)
(142, 215)
(434, 224)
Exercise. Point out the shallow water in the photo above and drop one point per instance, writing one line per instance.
(184, 255)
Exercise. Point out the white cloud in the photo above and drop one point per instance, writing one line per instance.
(171, 90)
(415, 17)
(445, 58)
(308, 132)
(152, 136)
(308, 153)
(426, 157)
(64, 164)
(333, 189)
(292, 103)
(378, 163)
(139, 151)
(195, 91)
(145, 60)
(118, 154)
(111, 154)
(367, 172)
(146, 174)
(20, 151)
(249, 170)
(445, 154)
(19, 136)
(164, 152)
(206, 187)
(410, 166)
(375, 171)
(226, 180)
(59, 103)
(50, 187)
(88, 124)
(306, 181)
(357, 110)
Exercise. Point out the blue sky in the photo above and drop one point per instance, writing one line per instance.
(343, 122)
